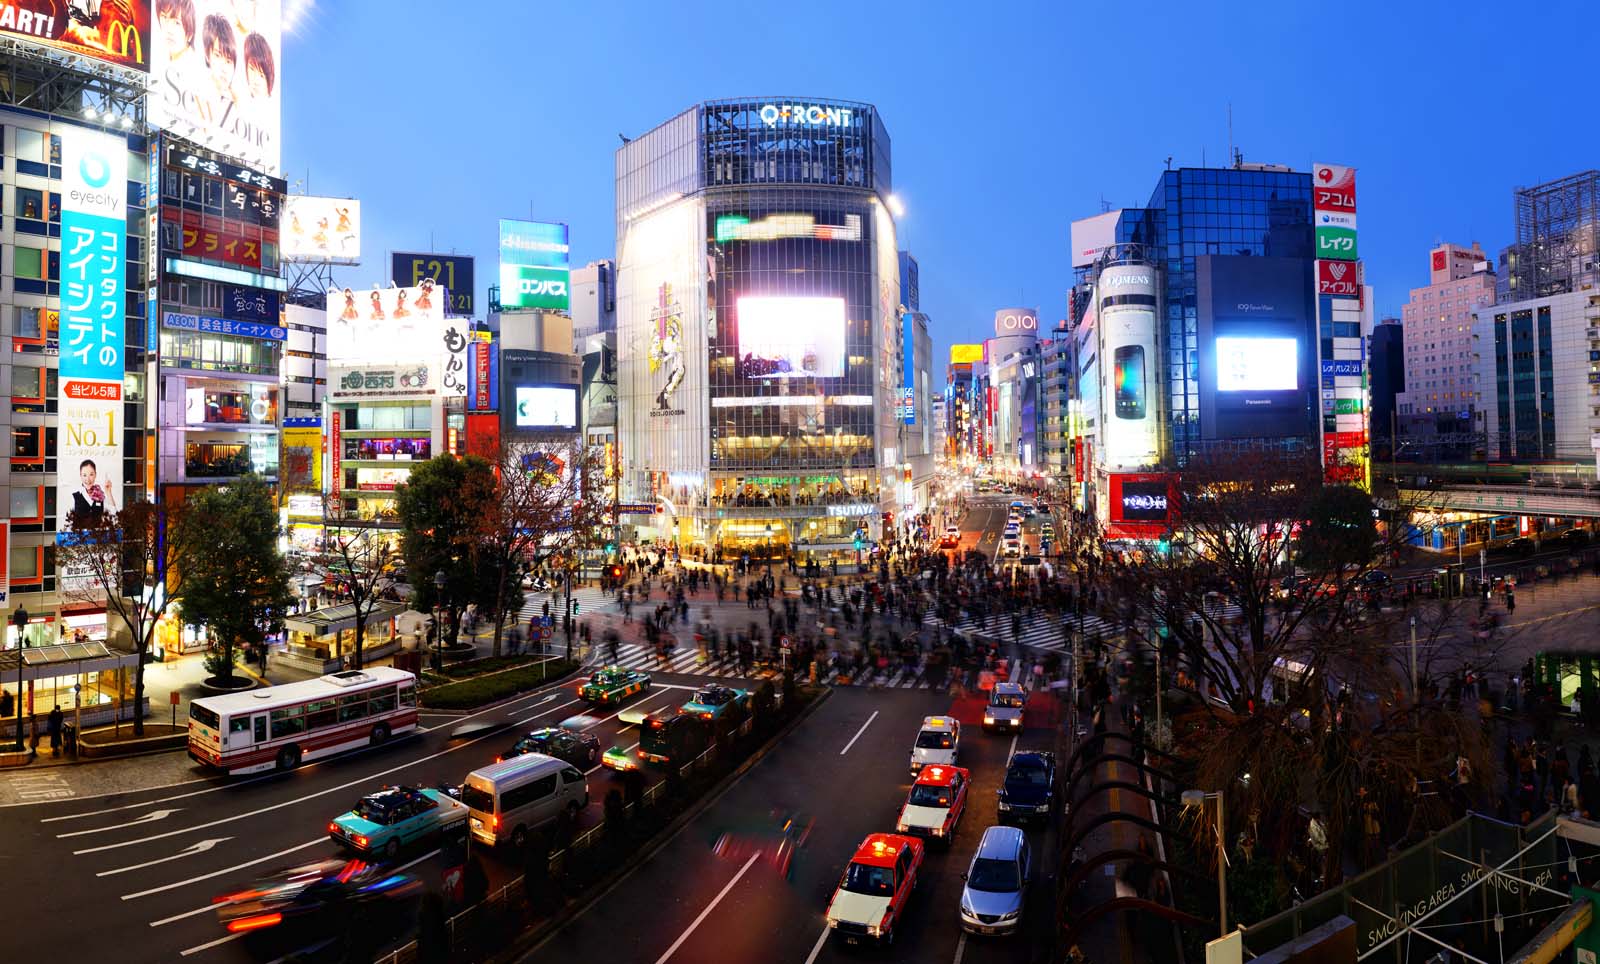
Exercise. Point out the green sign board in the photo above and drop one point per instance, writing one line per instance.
(1347, 406)
(1336, 244)
(529, 286)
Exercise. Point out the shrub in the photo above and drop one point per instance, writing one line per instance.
(468, 693)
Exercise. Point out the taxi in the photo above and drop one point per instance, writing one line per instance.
(875, 889)
(938, 742)
(715, 702)
(614, 684)
(394, 817)
(937, 801)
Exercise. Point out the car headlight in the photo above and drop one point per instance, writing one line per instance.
(987, 718)
(1004, 805)
(1010, 915)
(902, 826)
(1043, 807)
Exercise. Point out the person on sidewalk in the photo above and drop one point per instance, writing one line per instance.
(53, 727)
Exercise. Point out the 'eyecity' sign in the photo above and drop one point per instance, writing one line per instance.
(805, 115)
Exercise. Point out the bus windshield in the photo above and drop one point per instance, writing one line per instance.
(204, 717)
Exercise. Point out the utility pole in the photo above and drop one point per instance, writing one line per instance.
(1416, 696)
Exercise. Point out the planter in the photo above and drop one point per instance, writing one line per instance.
(103, 742)
(237, 685)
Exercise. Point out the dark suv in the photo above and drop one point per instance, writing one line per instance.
(1029, 790)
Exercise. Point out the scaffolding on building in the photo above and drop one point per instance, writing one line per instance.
(62, 84)
(1558, 236)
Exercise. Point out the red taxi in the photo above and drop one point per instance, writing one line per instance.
(936, 803)
(875, 888)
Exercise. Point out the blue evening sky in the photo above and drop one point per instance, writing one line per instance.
(1008, 120)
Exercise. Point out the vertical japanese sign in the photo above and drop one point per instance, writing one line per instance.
(1345, 438)
(94, 229)
(5, 563)
(335, 451)
(454, 342)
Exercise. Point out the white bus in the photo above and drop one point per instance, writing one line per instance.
(282, 726)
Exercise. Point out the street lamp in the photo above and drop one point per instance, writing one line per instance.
(20, 620)
(1196, 799)
(439, 582)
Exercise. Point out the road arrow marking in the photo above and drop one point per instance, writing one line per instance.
(150, 817)
(198, 848)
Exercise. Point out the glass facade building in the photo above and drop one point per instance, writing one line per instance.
(759, 342)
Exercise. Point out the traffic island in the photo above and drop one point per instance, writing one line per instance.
(501, 677)
(110, 741)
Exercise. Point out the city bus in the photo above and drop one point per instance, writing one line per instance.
(280, 727)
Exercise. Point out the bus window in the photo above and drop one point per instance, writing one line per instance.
(287, 722)
(382, 702)
(321, 713)
(238, 726)
(408, 696)
(352, 707)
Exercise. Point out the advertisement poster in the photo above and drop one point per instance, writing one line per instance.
(1333, 188)
(300, 469)
(387, 325)
(320, 229)
(534, 265)
(547, 406)
(453, 272)
(214, 75)
(113, 33)
(789, 337)
(94, 227)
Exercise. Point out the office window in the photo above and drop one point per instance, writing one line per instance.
(24, 562)
(27, 262)
(27, 381)
(25, 321)
(30, 146)
(24, 502)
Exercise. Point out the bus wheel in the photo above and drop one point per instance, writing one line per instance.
(288, 758)
(380, 734)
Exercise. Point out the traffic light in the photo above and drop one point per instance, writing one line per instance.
(858, 540)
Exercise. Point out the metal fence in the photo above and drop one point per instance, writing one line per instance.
(498, 901)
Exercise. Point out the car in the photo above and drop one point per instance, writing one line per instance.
(1004, 711)
(938, 742)
(937, 800)
(950, 542)
(613, 685)
(875, 888)
(1375, 579)
(1520, 546)
(312, 907)
(1011, 549)
(996, 883)
(569, 743)
(384, 822)
(1575, 538)
(717, 702)
(1029, 789)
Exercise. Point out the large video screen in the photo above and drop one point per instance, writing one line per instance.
(1257, 364)
(547, 406)
(791, 337)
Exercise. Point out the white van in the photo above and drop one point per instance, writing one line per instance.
(507, 800)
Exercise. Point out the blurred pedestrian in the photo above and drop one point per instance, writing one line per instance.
(53, 727)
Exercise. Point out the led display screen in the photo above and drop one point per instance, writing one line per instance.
(1130, 381)
(547, 406)
(1145, 501)
(1257, 364)
(788, 337)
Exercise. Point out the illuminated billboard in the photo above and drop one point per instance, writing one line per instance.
(320, 229)
(965, 354)
(534, 261)
(214, 75)
(547, 407)
(396, 338)
(453, 271)
(1258, 364)
(114, 33)
(791, 337)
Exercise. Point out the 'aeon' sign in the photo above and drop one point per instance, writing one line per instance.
(1016, 321)
(810, 115)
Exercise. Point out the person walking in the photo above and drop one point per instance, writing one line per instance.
(53, 727)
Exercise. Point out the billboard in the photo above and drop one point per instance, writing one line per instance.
(320, 229)
(300, 467)
(453, 272)
(1333, 188)
(1129, 371)
(214, 76)
(965, 354)
(483, 378)
(547, 407)
(112, 33)
(385, 324)
(791, 337)
(1338, 278)
(94, 229)
(534, 261)
(1249, 364)
(1145, 499)
(1016, 321)
(1090, 236)
(1336, 243)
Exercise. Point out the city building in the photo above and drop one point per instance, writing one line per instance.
(1537, 385)
(962, 408)
(760, 345)
(1440, 373)
(1386, 363)
(1056, 395)
(594, 299)
(305, 360)
(1558, 239)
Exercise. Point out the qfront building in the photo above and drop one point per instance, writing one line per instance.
(760, 332)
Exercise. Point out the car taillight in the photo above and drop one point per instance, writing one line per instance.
(254, 923)
(499, 759)
(360, 840)
(494, 822)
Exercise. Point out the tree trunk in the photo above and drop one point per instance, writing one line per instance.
(361, 635)
(138, 687)
(499, 610)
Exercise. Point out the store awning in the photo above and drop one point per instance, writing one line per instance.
(337, 619)
(63, 659)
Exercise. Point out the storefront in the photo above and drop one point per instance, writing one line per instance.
(92, 684)
(322, 640)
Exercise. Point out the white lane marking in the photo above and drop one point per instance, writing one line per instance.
(817, 947)
(287, 803)
(1011, 752)
(542, 712)
(225, 870)
(150, 817)
(209, 945)
(863, 729)
(961, 947)
(709, 908)
(211, 907)
(199, 847)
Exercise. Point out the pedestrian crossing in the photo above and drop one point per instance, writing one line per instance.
(693, 662)
(1049, 633)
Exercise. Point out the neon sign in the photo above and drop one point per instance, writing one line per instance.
(810, 115)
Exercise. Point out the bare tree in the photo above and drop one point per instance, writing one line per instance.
(543, 507)
(356, 563)
(137, 564)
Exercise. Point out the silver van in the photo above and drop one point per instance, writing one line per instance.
(996, 884)
(507, 800)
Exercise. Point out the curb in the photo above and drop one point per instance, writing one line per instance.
(535, 937)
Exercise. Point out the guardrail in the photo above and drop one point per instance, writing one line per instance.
(463, 921)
